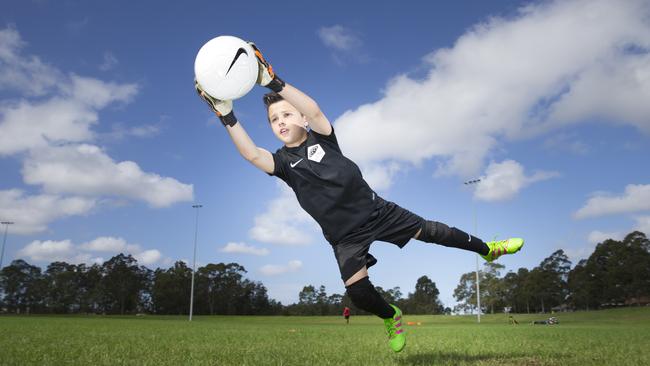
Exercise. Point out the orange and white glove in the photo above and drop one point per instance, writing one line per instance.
(222, 108)
(266, 76)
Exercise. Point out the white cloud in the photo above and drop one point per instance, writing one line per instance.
(120, 132)
(502, 181)
(143, 131)
(32, 214)
(87, 170)
(636, 198)
(643, 224)
(98, 94)
(25, 125)
(105, 244)
(284, 221)
(597, 236)
(339, 38)
(593, 238)
(577, 254)
(380, 176)
(48, 250)
(273, 270)
(56, 123)
(566, 143)
(148, 256)
(65, 117)
(624, 101)
(345, 44)
(555, 63)
(27, 74)
(243, 248)
(110, 61)
(66, 250)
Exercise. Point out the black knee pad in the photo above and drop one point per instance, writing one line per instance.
(435, 232)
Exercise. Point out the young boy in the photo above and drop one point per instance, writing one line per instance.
(331, 189)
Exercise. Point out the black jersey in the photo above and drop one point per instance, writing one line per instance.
(328, 185)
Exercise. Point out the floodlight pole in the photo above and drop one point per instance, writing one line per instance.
(478, 285)
(4, 241)
(196, 231)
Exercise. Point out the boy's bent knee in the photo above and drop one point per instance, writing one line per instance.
(364, 296)
(360, 291)
(363, 272)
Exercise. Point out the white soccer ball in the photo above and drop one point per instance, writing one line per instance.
(226, 67)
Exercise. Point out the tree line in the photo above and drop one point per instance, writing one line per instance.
(424, 300)
(121, 286)
(616, 273)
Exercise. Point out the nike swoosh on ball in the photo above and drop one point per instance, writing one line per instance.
(239, 53)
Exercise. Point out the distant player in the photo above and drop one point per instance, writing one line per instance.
(346, 314)
(330, 187)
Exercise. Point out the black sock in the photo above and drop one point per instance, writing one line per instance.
(364, 296)
(439, 233)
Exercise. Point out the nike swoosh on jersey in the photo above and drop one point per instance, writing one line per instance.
(239, 53)
(296, 163)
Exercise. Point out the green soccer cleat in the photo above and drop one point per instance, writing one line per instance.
(396, 336)
(501, 247)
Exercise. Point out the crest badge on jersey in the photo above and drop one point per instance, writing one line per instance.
(315, 153)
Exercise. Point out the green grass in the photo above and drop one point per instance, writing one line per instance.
(612, 337)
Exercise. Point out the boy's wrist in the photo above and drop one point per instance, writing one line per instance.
(266, 76)
(222, 108)
(229, 119)
(276, 84)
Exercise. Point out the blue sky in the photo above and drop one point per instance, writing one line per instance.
(104, 146)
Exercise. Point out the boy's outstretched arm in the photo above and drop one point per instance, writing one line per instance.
(303, 103)
(308, 107)
(259, 157)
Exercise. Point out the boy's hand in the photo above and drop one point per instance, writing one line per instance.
(223, 108)
(266, 76)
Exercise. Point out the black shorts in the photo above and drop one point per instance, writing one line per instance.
(388, 222)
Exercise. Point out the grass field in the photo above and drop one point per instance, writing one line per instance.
(611, 337)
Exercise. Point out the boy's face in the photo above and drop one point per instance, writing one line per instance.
(287, 123)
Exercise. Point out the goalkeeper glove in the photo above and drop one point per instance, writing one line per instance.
(266, 76)
(223, 108)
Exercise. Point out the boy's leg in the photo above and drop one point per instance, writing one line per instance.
(364, 295)
(353, 260)
(398, 225)
(363, 272)
(439, 233)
